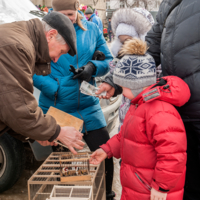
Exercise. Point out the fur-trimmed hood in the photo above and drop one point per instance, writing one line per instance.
(131, 17)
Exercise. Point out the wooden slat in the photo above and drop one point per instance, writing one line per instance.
(75, 178)
(99, 188)
(41, 189)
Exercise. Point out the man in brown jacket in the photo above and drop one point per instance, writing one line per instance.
(27, 47)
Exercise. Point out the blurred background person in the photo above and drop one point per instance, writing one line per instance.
(92, 17)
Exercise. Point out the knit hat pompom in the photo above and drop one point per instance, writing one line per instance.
(134, 46)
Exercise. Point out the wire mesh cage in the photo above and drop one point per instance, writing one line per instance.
(42, 182)
(74, 167)
(71, 192)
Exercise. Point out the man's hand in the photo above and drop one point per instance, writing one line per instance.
(108, 88)
(156, 195)
(70, 137)
(47, 143)
(98, 156)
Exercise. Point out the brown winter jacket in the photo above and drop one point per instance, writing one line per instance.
(23, 52)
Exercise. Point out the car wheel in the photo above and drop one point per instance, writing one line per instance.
(12, 161)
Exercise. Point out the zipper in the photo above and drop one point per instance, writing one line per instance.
(145, 184)
(56, 94)
(79, 84)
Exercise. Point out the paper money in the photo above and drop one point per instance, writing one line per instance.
(89, 89)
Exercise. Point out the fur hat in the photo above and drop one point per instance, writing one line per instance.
(130, 17)
(138, 22)
(59, 5)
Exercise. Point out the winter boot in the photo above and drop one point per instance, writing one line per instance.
(110, 196)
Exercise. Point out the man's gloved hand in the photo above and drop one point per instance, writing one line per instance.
(156, 195)
(84, 73)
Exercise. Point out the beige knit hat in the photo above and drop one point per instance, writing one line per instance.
(59, 5)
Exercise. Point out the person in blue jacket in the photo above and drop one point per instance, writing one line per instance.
(92, 17)
(61, 89)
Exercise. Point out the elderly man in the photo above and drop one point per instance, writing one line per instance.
(27, 47)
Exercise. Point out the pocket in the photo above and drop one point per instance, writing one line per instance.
(144, 183)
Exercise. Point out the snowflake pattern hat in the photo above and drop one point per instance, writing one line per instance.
(135, 72)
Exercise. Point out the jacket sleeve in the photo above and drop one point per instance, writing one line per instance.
(97, 21)
(109, 79)
(102, 65)
(153, 39)
(47, 85)
(18, 107)
(112, 146)
(167, 134)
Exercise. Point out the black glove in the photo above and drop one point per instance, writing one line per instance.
(84, 73)
(98, 55)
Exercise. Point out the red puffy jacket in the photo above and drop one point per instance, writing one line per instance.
(152, 143)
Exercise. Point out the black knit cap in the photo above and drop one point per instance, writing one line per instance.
(64, 27)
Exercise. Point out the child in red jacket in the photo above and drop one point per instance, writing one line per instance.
(152, 140)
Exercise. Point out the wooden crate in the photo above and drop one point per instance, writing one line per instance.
(65, 119)
(41, 183)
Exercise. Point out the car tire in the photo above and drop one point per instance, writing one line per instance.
(12, 161)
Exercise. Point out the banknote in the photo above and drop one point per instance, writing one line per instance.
(89, 89)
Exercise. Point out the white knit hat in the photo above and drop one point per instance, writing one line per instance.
(125, 29)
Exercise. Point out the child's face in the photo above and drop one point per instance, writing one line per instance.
(127, 93)
(123, 38)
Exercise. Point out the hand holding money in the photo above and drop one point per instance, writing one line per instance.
(89, 89)
(108, 89)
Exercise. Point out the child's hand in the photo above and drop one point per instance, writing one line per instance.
(108, 88)
(98, 156)
(156, 195)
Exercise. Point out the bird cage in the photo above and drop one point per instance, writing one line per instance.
(71, 192)
(74, 167)
(48, 176)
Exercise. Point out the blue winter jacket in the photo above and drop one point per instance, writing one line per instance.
(95, 19)
(60, 90)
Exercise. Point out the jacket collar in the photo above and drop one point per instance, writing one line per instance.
(174, 91)
(139, 99)
(91, 16)
(42, 60)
